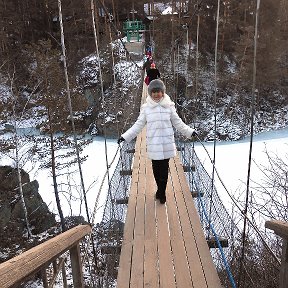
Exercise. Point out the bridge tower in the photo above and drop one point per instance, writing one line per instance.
(133, 30)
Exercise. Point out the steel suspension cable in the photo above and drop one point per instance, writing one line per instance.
(187, 59)
(189, 112)
(197, 58)
(196, 10)
(70, 109)
(251, 142)
(153, 28)
(114, 73)
(196, 84)
(195, 96)
(121, 41)
(73, 126)
(101, 186)
(102, 92)
(215, 108)
(112, 53)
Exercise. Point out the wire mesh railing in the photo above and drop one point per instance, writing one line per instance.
(223, 234)
(119, 185)
(109, 232)
(220, 228)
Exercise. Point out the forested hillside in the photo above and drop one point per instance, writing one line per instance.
(31, 62)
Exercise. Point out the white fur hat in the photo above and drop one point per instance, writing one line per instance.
(156, 84)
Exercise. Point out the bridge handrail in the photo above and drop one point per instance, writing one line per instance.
(280, 228)
(39, 257)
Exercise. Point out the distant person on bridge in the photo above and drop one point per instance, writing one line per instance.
(148, 51)
(147, 64)
(160, 115)
(152, 74)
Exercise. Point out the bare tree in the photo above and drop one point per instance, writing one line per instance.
(19, 148)
(271, 197)
(48, 69)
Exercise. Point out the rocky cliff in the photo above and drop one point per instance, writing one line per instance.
(12, 225)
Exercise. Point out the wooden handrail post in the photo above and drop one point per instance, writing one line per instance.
(280, 228)
(56, 271)
(64, 276)
(44, 278)
(54, 264)
(76, 266)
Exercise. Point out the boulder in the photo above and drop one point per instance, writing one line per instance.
(9, 178)
(40, 218)
(11, 211)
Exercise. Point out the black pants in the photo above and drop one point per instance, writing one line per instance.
(160, 171)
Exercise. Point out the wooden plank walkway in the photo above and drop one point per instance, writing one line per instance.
(163, 245)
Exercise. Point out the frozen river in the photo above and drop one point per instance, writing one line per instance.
(231, 163)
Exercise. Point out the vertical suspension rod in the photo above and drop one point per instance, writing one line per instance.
(251, 143)
(70, 108)
(215, 111)
(102, 93)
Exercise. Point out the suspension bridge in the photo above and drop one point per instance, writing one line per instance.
(173, 245)
(163, 247)
(191, 241)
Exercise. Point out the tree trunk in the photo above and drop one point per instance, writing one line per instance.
(54, 177)
(17, 160)
(21, 191)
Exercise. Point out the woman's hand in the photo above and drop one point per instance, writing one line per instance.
(194, 134)
(121, 139)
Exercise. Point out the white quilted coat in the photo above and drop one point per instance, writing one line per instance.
(159, 117)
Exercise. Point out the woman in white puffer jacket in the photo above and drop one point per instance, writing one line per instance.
(160, 115)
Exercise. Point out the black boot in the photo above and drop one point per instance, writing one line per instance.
(156, 177)
(163, 199)
(162, 190)
(157, 195)
(160, 171)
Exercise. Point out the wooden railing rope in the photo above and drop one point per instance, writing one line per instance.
(21, 267)
(280, 228)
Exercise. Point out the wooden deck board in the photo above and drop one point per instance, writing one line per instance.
(182, 271)
(166, 263)
(188, 231)
(164, 245)
(123, 279)
(151, 275)
(137, 270)
(211, 275)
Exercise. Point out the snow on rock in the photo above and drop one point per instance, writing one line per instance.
(163, 8)
(3, 254)
(90, 70)
(128, 73)
(5, 94)
(167, 11)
